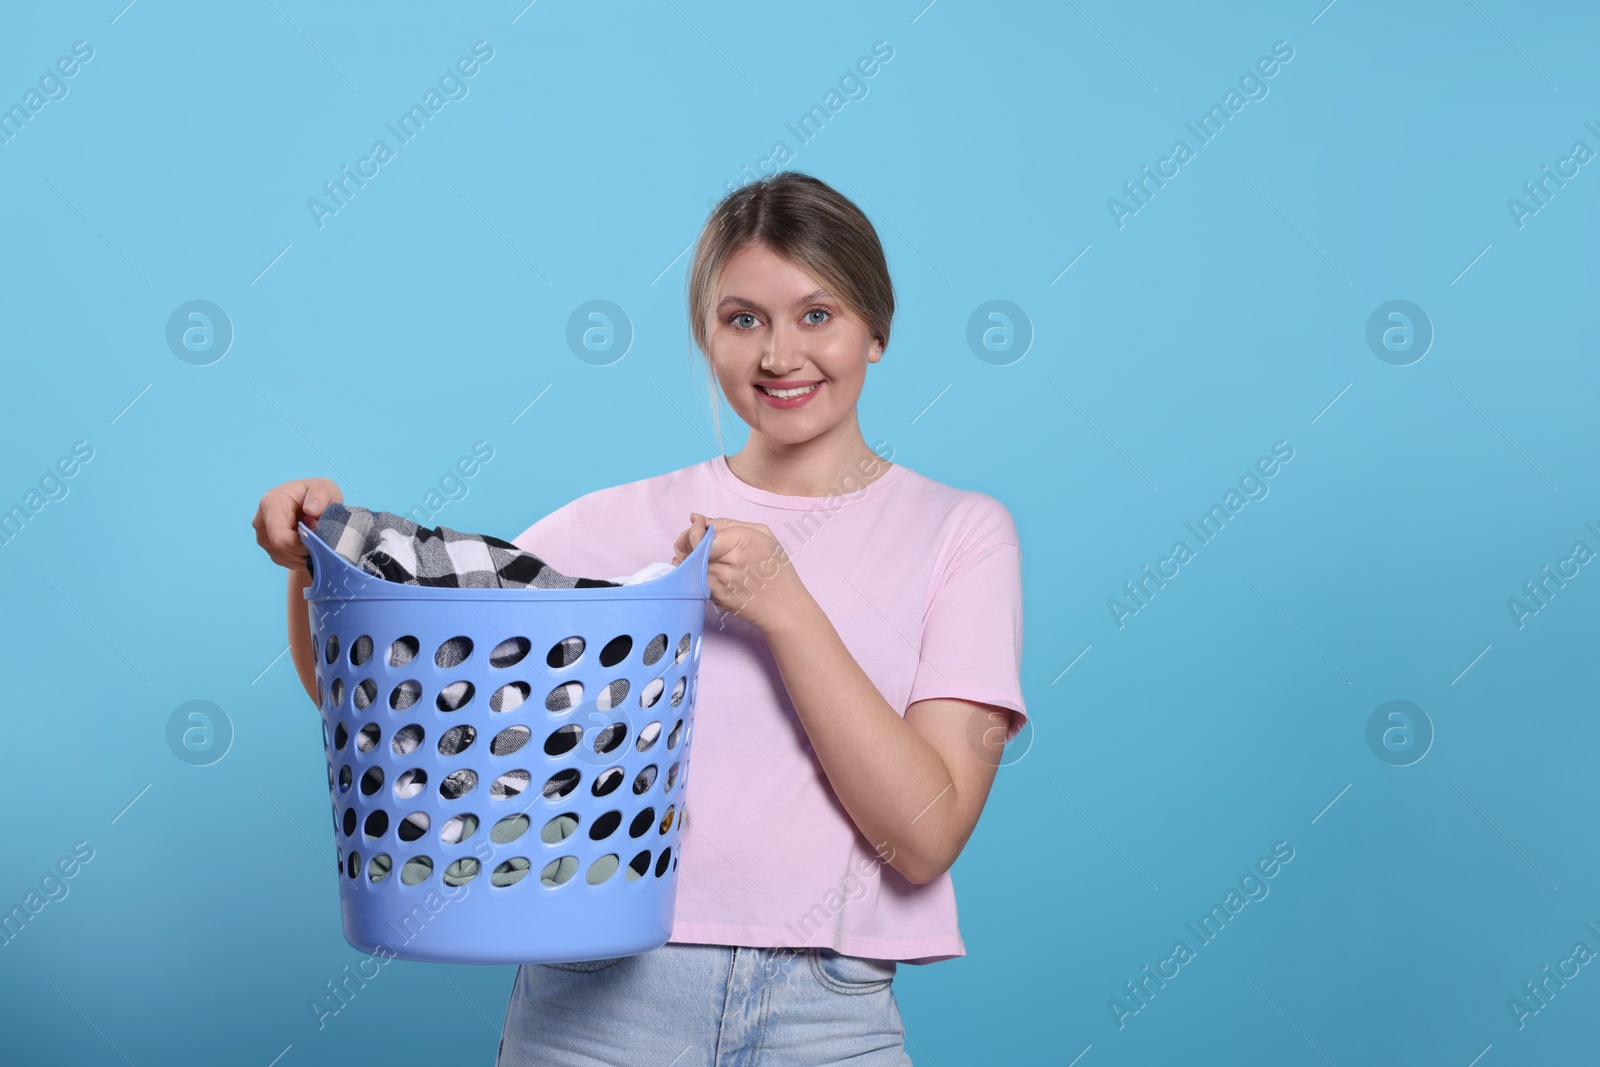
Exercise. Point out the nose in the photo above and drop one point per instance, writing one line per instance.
(782, 353)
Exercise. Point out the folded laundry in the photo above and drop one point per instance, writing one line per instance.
(649, 572)
(394, 548)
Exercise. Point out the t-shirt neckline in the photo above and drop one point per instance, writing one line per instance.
(731, 481)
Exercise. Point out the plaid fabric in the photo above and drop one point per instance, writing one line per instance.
(396, 549)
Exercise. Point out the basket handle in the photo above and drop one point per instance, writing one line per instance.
(334, 577)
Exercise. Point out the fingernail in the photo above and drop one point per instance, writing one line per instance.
(313, 503)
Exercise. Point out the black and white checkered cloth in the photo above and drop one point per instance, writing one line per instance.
(394, 548)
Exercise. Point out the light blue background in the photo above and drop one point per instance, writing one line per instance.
(1229, 313)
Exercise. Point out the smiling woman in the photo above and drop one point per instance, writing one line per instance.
(853, 699)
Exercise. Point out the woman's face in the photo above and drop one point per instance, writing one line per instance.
(776, 326)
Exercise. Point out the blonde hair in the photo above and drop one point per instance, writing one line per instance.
(809, 223)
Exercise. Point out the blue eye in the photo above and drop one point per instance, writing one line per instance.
(740, 315)
(816, 311)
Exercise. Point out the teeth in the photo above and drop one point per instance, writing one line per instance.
(786, 393)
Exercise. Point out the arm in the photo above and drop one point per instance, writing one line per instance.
(300, 632)
(280, 509)
(914, 786)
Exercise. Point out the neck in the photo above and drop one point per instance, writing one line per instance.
(812, 468)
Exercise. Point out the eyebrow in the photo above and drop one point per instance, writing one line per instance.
(727, 301)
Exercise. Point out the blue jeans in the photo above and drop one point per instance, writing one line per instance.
(684, 1005)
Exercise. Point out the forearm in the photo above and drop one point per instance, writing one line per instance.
(892, 783)
(300, 632)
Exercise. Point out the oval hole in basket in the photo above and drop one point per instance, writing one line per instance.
(413, 826)
(454, 696)
(510, 652)
(561, 783)
(509, 829)
(559, 871)
(655, 650)
(403, 651)
(564, 697)
(509, 697)
(612, 695)
(605, 825)
(416, 870)
(461, 871)
(557, 829)
(642, 822)
(509, 784)
(602, 868)
(405, 694)
(564, 740)
(457, 739)
(454, 651)
(616, 650)
(610, 738)
(410, 782)
(564, 653)
(510, 872)
(458, 784)
(458, 828)
(406, 739)
(509, 740)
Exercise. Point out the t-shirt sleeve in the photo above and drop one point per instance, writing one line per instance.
(551, 539)
(972, 632)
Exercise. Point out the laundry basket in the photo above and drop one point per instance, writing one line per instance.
(506, 766)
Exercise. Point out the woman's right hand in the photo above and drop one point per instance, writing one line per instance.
(285, 505)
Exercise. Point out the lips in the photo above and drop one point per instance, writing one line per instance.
(791, 401)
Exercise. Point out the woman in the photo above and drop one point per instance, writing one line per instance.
(859, 675)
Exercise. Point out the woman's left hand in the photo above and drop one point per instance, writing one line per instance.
(749, 573)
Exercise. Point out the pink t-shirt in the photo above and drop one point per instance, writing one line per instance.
(923, 582)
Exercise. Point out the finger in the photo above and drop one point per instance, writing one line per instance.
(288, 510)
(318, 495)
(277, 523)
